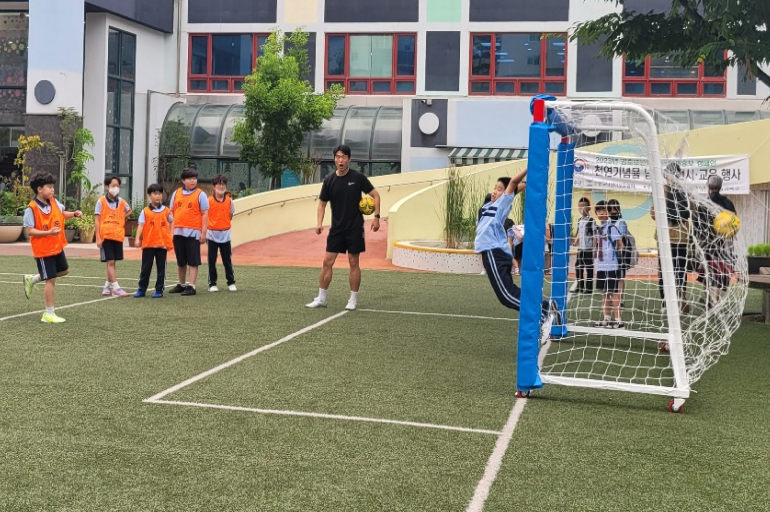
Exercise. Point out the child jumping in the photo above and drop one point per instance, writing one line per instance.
(221, 211)
(44, 221)
(153, 235)
(110, 220)
(496, 255)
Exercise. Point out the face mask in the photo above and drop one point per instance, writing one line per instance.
(114, 191)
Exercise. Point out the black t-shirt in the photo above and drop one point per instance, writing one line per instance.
(344, 194)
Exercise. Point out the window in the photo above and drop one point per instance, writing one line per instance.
(521, 64)
(371, 64)
(220, 62)
(121, 74)
(14, 34)
(659, 76)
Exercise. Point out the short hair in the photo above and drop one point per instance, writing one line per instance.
(715, 182)
(601, 206)
(487, 198)
(584, 200)
(108, 179)
(219, 179)
(508, 224)
(40, 179)
(344, 148)
(505, 180)
(613, 203)
(189, 172)
(155, 187)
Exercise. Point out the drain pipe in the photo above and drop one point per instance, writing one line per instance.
(178, 46)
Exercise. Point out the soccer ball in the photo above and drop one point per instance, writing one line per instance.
(726, 224)
(366, 205)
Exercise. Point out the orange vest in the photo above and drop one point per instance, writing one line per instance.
(112, 223)
(187, 211)
(219, 213)
(157, 230)
(45, 246)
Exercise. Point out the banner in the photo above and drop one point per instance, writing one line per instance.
(631, 174)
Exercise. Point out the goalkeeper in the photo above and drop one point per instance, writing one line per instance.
(492, 243)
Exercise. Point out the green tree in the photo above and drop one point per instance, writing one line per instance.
(280, 107)
(693, 31)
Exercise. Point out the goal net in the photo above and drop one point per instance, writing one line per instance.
(649, 290)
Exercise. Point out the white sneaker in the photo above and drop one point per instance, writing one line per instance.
(574, 287)
(232, 288)
(213, 289)
(317, 303)
(351, 306)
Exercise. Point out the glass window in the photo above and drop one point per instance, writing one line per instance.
(505, 87)
(113, 52)
(516, 56)
(660, 88)
(125, 151)
(197, 85)
(113, 108)
(261, 40)
(554, 87)
(386, 143)
(634, 68)
(405, 59)
(231, 55)
(554, 55)
(634, 88)
(358, 130)
(118, 148)
(664, 67)
(381, 87)
(199, 56)
(358, 86)
(481, 55)
(714, 89)
(371, 56)
(405, 87)
(335, 57)
(662, 76)
(127, 55)
(687, 88)
(480, 87)
(530, 88)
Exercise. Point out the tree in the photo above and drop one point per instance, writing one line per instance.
(694, 31)
(280, 107)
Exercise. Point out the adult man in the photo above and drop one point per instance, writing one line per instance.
(343, 190)
(715, 189)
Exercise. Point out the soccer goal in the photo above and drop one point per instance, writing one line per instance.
(649, 290)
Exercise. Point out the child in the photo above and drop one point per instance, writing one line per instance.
(190, 208)
(608, 242)
(516, 243)
(616, 217)
(584, 240)
(155, 224)
(44, 221)
(111, 212)
(221, 211)
(492, 243)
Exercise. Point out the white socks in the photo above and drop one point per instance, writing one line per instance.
(354, 296)
(321, 294)
(49, 311)
(35, 279)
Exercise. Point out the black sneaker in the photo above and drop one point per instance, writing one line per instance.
(617, 324)
(188, 290)
(179, 288)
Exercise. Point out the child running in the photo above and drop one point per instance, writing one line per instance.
(44, 221)
(153, 235)
(496, 255)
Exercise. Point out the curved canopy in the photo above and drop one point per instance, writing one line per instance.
(373, 133)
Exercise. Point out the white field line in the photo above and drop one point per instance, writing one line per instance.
(496, 459)
(57, 284)
(446, 315)
(63, 277)
(237, 360)
(57, 308)
(328, 416)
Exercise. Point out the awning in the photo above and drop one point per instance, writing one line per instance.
(474, 156)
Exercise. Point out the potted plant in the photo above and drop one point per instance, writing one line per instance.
(13, 201)
(70, 228)
(86, 225)
(132, 237)
(132, 221)
(758, 256)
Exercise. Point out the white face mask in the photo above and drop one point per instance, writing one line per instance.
(114, 191)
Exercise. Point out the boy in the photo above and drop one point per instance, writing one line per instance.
(221, 211)
(516, 243)
(110, 220)
(609, 241)
(496, 255)
(584, 240)
(44, 221)
(190, 208)
(155, 224)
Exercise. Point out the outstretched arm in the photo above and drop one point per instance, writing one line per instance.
(513, 186)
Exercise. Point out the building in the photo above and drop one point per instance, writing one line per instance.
(429, 82)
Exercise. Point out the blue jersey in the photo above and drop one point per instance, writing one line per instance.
(490, 233)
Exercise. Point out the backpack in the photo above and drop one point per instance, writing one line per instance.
(628, 257)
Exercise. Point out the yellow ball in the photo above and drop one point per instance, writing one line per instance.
(366, 205)
(726, 224)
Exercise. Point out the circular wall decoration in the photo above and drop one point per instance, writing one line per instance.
(429, 123)
(44, 92)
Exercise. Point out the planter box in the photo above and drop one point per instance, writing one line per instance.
(756, 262)
(9, 234)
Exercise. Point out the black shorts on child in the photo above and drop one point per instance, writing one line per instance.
(50, 266)
(111, 250)
(187, 250)
(607, 281)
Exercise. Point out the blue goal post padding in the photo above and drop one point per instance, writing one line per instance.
(527, 371)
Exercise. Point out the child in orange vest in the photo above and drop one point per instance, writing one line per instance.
(111, 213)
(190, 208)
(221, 210)
(44, 221)
(155, 224)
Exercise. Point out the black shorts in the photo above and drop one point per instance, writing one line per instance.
(351, 241)
(111, 250)
(607, 281)
(187, 250)
(50, 266)
(518, 251)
